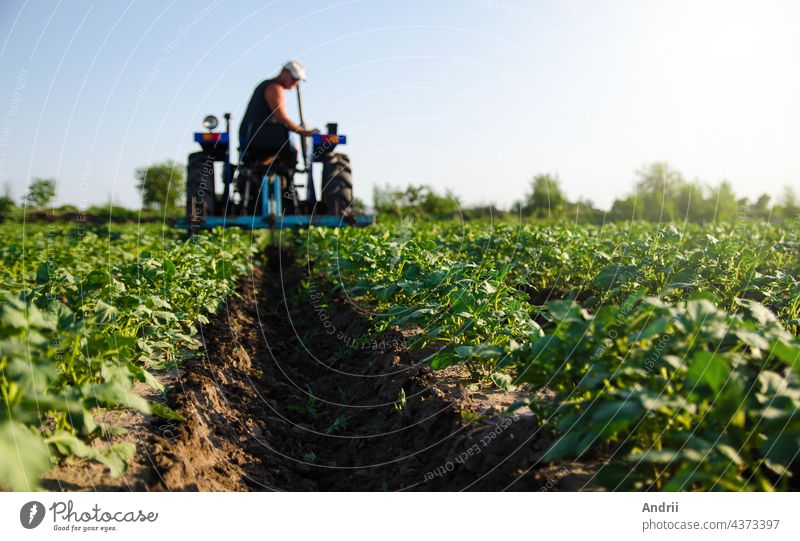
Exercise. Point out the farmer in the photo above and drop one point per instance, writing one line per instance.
(265, 126)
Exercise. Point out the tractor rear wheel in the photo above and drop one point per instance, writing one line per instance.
(199, 186)
(337, 185)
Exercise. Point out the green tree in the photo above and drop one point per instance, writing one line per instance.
(546, 200)
(161, 185)
(723, 201)
(359, 207)
(662, 195)
(584, 211)
(761, 208)
(7, 205)
(625, 209)
(421, 201)
(790, 207)
(657, 190)
(689, 202)
(41, 192)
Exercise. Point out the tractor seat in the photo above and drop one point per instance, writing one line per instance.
(262, 163)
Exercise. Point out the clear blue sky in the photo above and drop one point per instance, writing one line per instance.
(474, 95)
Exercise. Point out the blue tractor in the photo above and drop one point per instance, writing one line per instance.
(259, 191)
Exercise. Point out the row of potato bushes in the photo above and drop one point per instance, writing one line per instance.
(86, 313)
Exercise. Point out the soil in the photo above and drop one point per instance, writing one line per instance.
(291, 392)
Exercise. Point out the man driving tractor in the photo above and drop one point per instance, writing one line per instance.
(259, 188)
(266, 125)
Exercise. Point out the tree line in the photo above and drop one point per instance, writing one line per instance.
(660, 194)
(161, 186)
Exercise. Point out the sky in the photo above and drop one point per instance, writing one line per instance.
(472, 96)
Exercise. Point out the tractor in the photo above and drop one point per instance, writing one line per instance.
(259, 190)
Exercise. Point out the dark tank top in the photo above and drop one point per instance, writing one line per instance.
(258, 130)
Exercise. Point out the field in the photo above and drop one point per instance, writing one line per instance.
(411, 355)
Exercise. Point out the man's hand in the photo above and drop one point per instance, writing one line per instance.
(307, 133)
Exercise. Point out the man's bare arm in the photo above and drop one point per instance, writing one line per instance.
(274, 95)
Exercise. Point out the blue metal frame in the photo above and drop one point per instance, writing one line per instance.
(281, 222)
(276, 195)
(223, 139)
(320, 138)
(266, 206)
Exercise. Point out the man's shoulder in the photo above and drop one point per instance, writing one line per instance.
(272, 87)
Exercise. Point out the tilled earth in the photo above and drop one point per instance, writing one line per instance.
(290, 393)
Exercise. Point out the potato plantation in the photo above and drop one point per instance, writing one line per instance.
(658, 357)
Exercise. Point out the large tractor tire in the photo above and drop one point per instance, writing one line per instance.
(337, 185)
(199, 187)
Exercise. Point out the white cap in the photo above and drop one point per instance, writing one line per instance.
(296, 69)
